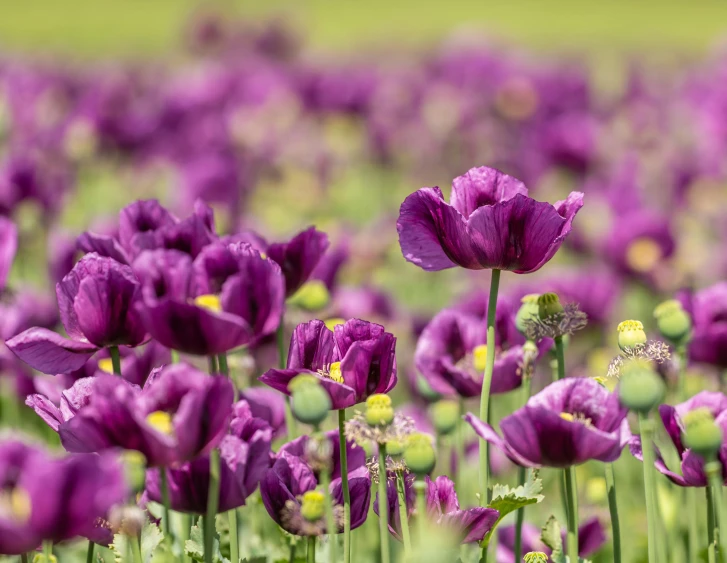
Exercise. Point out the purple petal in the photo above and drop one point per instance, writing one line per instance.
(483, 186)
(8, 248)
(311, 347)
(103, 245)
(49, 352)
(473, 524)
(299, 257)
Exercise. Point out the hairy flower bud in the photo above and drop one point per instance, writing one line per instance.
(535, 557)
(641, 388)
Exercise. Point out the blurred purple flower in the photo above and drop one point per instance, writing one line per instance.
(708, 309)
(268, 405)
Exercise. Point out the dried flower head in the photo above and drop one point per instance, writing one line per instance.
(360, 431)
(319, 452)
(293, 519)
(653, 351)
(393, 467)
(571, 319)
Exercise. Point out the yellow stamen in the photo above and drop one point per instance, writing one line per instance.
(334, 322)
(106, 364)
(628, 326)
(209, 301)
(567, 416)
(334, 372)
(15, 505)
(643, 254)
(263, 255)
(161, 421)
(479, 357)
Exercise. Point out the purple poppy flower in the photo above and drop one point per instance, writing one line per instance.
(290, 477)
(179, 414)
(298, 257)
(591, 537)
(268, 405)
(362, 302)
(56, 499)
(97, 305)
(245, 457)
(708, 309)
(491, 223)
(568, 423)
(692, 465)
(469, 525)
(62, 250)
(355, 360)
(228, 297)
(450, 355)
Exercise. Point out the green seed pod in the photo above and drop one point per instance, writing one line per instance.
(312, 296)
(419, 454)
(134, 469)
(395, 448)
(528, 310)
(673, 322)
(536, 557)
(631, 334)
(445, 416)
(640, 388)
(549, 305)
(311, 404)
(300, 381)
(313, 505)
(379, 411)
(701, 434)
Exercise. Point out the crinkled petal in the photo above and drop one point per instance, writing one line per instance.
(48, 352)
(483, 186)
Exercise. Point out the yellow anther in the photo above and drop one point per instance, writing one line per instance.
(312, 505)
(209, 301)
(106, 364)
(334, 372)
(15, 505)
(161, 421)
(567, 416)
(479, 357)
(643, 254)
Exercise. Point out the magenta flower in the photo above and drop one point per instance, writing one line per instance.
(469, 525)
(56, 499)
(97, 302)
(355, 360)
(708, 309)
(268, 405)
(245, 457)
(568, 423)
(491, 223)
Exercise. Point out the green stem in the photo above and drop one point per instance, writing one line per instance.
(693, 523)
(711, 551)
(47, 550)
(24, 557)
(213, 497)
(613, 508)
(291, 554)
(186, 525)
(234, 537)
(212, 362)
(135, 549)
(282, 364)
(459, 444)
(344, 486)
(163, 477)
(486, 384)
(225, 370)
(560, 356)
(646, 426)
(519, 519)
(383, 502)
(571, 490)
(115, 359)
(89, 552)
(714, 473)
(330, 520)
(175, 356)
(403, 516)
(311, 555)
(420, 487)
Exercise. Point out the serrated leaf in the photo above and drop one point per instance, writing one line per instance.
(550, 535)
(506, 500)
(194, 546)
(151, 537)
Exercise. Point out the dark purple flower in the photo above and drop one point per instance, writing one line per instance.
(180, 413)
(469, 525)
(291, 476)
(269, 405)
(355, 360)
(97, 302)
(362, 302)
(568, 423)
(692, 465)
(245, 457)
(56, 499)
(139, 225)
(491, 223)
(591, 537)
(298, 257)
(708, 309)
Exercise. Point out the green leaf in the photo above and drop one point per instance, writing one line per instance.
(151, 537)
(194, 546)
(507, 500)
(550, 535)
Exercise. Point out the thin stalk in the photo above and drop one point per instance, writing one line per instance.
(486, 384)
(613, 508)
(234, 538)
(459, 445)
(282, 364)
(330, 520)
(163, 477)
(646, 426)
(186, 525)
(213, 497)
(711, 547)
(224, 369)
(403, 516)
(311, 554)
(24, 557)
(560, 357)
(693, 523)
(571, 490)
(344, 486)
(522, 475)
(383, 513)
(115, 359)
(212, 363)
(714, 473)
(89, 552)
(135, 549)
(175, 356)
(47, 550)
(420, 487)
(291, 554)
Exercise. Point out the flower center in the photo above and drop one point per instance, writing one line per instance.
(161, 421)
(209, 301)
(576, 417)
(332, 372)
(479, 358)
(15, 505)
(106, 365)
(312, 505)
(643, 254)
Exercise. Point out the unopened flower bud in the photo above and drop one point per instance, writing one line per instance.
(536, 557)
(528, 310)
(312, 505)
(701, 434)
(419, 454)
(312, 296)
(631, 334)
(673, 322)
(43, 558)
(445, 416)
(395, 448)
(311, 403)
(379, 411)
(549, 305)
(300, 381)
(640, 388)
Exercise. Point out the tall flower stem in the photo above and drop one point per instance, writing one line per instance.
(48, 550)
(311, 553)
(330, 520)
(714, 475)
(213, 497)
(420, 487)
(89, 552)
(115, 359)
(560, 357)
(459, 444)
(613, 508)
(403, 516)
(486, 385)
(135, 549)
(711, 548)
(383, 513)
(234, 539)
(24, 557)
(522, 475)
(693, 524)
(212, 362)
(165, 501)
(282, 364)
(646, 426)
(186, 525)
(571, 490)
(344, 486)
